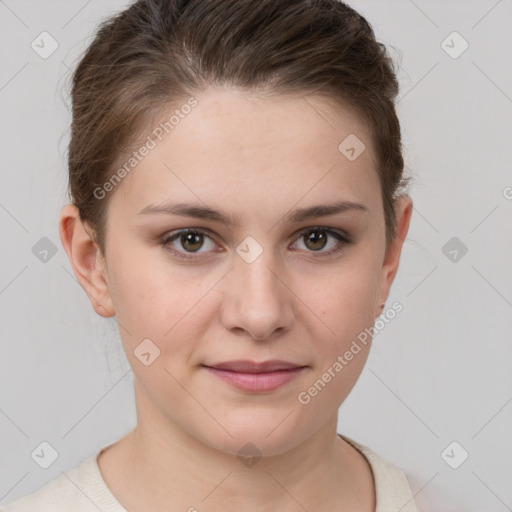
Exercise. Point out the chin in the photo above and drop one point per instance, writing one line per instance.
(257, 434)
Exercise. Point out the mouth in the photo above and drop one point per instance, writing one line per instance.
(256, 376)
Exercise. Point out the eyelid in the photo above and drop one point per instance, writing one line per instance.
(192, 229)
(328, 229)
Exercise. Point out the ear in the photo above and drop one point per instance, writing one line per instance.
(403, 211)
(86, 259)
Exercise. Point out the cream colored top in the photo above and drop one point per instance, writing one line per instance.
(84, 490)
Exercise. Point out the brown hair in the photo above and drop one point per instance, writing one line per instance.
(158, 52)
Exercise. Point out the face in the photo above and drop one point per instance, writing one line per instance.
(272, 281)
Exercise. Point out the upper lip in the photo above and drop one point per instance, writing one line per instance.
(245, 366)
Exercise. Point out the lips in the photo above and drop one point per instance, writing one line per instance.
(255, 377)
(245, 366)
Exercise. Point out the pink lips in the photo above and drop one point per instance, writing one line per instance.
(255, 377)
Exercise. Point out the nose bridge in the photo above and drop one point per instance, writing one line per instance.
(256, 270)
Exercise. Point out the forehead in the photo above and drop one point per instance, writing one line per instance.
(234, 144)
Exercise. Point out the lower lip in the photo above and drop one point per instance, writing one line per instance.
(256, 382)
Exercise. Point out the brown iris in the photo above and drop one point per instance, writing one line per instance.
(317, 239)
(195, 241)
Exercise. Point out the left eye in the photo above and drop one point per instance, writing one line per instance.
(192, 240)
(316, 240)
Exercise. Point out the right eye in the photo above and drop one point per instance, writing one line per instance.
(190, 239)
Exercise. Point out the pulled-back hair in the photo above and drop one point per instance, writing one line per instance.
(157, 53)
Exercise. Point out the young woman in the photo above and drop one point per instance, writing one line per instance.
(238, 204)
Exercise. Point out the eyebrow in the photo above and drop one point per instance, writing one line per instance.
(203, 212)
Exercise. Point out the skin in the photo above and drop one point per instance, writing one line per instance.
(258, 159)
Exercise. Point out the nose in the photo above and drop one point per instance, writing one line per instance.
(257, 299)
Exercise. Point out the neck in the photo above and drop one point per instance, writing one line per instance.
(159, 466)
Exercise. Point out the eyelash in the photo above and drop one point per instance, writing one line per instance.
(342, 238)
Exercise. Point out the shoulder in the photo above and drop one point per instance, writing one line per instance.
(392, 488)
(80, 489)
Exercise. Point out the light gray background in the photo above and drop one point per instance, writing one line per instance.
(439, 372)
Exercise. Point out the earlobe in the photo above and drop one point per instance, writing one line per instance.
(86, 260)
(392, 257)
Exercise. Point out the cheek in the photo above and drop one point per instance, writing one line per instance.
(345, 302)
(346, 308)
(155, 300)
